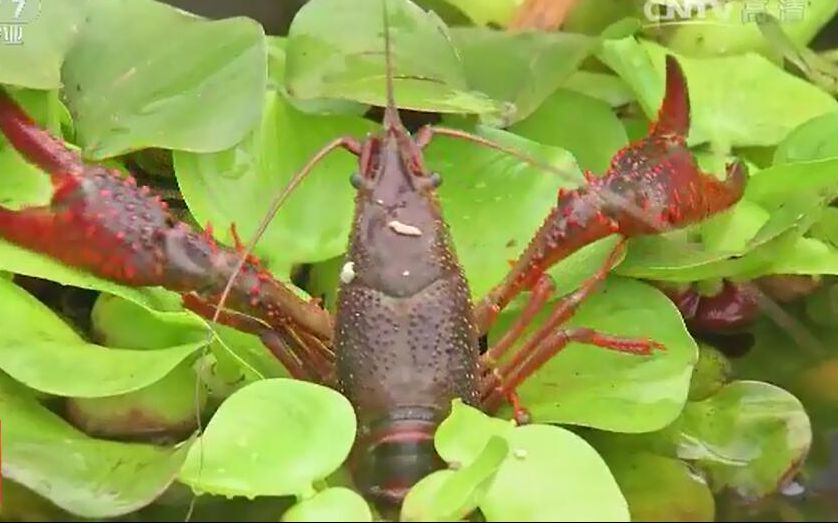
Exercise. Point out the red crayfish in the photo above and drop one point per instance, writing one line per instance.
(405, 339)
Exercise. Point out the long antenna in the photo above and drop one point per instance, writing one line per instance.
(391, 113)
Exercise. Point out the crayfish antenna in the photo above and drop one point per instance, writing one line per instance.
(391, 121)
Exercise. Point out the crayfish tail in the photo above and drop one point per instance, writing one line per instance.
(36, 144)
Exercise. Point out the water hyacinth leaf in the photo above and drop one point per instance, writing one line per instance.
(122, 43)
(46, 31)
(499, 12)
(238, 185)
(530, 484)
(551, 474)
(520, 68)
(40, 350)
(346, 60)
(451, 495)
(584, 126)
(747, 437)
(810, 141)
(331, 504)
(480, 185)
(103, 480)
(731, 28)
(591, 386)
(724, 111)
(660, 488)
(239, 454)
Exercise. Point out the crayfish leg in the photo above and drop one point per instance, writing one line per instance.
(653, 185)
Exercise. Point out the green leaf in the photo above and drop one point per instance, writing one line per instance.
(346, 60)
(724, 111)
(812, 140)
(608, 88)
(451, 495)
(805, 256)
(47, 31)
(239, 184)
(520, 68)
(549, 474)
(591, 386)
(729, 30)
(40, 350)
(553, 475)
(660, 488)
(492, 201)
(169, 406)
(747, 437)
(85, 476)
(273, 437)
(466, 432)
(776, 185)
(127, 89)
(584, 126)
(499, 12)
(332, 504)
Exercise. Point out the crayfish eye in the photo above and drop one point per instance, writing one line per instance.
(356, 180)
(436, 180)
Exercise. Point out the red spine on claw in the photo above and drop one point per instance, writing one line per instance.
(101, 222)
(653, 185)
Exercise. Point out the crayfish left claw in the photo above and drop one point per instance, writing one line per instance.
(99, 220)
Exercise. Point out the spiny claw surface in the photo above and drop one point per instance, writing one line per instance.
(100, 221)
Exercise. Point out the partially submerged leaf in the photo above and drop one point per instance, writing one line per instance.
(241, 453)
(40, 350)
(331, 504)
(90, 478)
(749, 437)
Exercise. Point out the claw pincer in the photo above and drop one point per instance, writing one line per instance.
(100, 221)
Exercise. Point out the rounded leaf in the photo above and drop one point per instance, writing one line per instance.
(551, 474)
(611, 390)
(332, 504)
(125, 43)
(749, 437)
(91, 478)
(273, 437)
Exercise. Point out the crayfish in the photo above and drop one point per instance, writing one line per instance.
(405, 339)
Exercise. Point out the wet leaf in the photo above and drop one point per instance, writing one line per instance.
(810, 141)
(730, 27)
(46, 30)
(591, 386)
(724, 111)
(238, 186)
(494, 202)
(660, 488)
(239, 453)
(520, 68)
(332, 504)
(124, 43)
(451, 495)
(346, 60)
(40, 350)
(749, 437)
(549, 473)
(582, 125)
(85, 476)
(553, 475)
(498, 12)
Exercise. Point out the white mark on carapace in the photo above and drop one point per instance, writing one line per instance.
(347, 273)
(404, 229)
(379, 201)
(406, 273)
